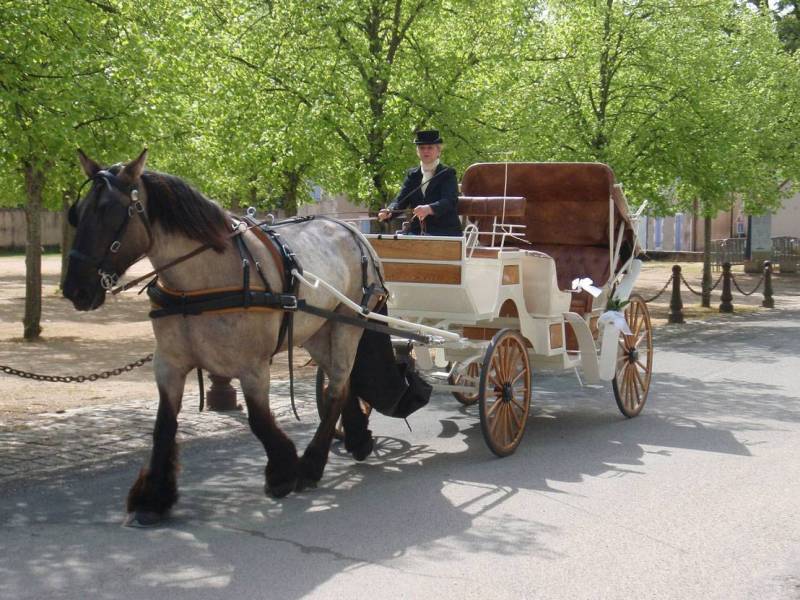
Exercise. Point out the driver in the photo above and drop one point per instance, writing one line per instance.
(431, 190)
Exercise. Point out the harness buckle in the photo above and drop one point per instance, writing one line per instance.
(115, 246)
(289, 302)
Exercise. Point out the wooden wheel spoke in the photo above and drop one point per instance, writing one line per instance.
(637, 325)
(513, 357)
(638, 378)
(628, 383)
(493, 378)
(637, 317)
(521, 407)
(514, 423)
(636, 382)
(493, 408)
(522, 372)
(500, 366)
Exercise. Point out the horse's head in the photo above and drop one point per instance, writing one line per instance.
(113, 230)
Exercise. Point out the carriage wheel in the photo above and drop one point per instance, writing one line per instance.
(634, 360)
(466, 398)
(322, 399)
(504, 392)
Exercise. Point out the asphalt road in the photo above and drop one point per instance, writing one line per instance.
(695, 498)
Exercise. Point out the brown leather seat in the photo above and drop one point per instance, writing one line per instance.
(566, 217)
(491, 206)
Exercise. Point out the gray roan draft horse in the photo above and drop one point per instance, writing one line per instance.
(129, 213)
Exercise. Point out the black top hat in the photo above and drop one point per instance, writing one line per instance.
(427, 136)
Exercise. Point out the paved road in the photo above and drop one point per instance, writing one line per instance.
(696, 498)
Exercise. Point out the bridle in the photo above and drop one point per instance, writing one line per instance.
(105, 269)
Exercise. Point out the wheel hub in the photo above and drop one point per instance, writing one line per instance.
(633, 355)
(507, 393)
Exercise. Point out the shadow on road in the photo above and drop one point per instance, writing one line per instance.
(225, 535)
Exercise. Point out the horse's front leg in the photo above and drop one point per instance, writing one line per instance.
(281, 470)
(156, 490)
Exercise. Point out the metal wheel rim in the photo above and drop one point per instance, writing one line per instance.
(504, 392)
(634, 360)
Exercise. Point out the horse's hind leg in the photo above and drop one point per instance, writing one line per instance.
(281, 470)
(333, 347)
(155, 491)
(357, 438)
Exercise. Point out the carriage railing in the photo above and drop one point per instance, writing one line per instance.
(501, 231)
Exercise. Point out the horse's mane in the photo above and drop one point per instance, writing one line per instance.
(179, 208)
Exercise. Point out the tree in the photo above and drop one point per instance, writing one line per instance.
(59, 84)
(696, 97)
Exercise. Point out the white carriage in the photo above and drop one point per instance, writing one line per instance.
(548, 254)
(543, 275)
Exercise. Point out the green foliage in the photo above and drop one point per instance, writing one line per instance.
(254, 101)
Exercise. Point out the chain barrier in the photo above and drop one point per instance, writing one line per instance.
(694, 291)
(713, 287)
(76, 378)
(666, 285)
(690, 288)
(755, 289)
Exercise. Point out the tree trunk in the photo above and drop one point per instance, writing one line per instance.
(706, 297)
(67, 237)
(290, 189)
(34, 183)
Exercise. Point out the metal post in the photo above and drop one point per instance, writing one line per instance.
(221, 395)
(726, 306)
(675, 302)
(768, 301)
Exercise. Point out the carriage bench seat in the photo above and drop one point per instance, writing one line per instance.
(577, 261)
(491, 206)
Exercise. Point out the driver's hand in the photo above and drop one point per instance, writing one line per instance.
(422, 211)
(384, 214)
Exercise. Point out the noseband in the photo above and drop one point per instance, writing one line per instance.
(108, 275)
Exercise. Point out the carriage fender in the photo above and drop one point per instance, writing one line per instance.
(611, 324)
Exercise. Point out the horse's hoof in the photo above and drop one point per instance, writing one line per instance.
(280, 490)
(142, 519)
(305, 484)
(364, 449)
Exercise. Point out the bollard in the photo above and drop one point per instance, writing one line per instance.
(221, 395)
(768, 301)
(726, 306)
(675, 302)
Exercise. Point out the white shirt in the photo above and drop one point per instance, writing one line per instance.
(427, 175)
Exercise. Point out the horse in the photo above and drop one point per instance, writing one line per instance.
(129, 213)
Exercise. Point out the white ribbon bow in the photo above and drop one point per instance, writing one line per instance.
(617, 319)
(586, 284)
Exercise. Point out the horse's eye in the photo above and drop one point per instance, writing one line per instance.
(72, 215)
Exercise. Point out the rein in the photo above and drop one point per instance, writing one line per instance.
(239, 229)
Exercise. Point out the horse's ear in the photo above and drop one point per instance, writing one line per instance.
(134, 169)
(90, 167)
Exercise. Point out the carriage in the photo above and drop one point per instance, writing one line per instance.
(541, 277)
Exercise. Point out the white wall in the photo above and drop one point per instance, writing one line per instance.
(786, 221)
